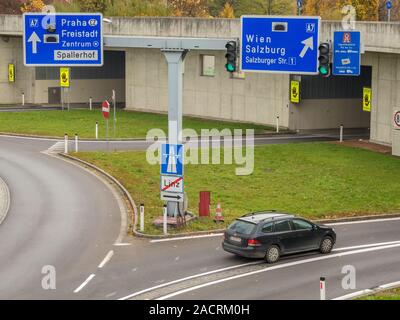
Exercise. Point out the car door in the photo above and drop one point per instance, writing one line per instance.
(306, 235)
(285, 235)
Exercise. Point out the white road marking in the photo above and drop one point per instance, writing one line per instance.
(122, 244)
(281, 266)
(84, 283)
(188, 237)
(362, 221)
(368, 291)
(106, 259)
(366, 246)
(189, 278)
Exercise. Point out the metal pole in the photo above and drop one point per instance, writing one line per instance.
(389, 12)
(66, 143)
(76, 142)
(115, 115)
(108, 142)
(175, 60)
(165, 224)
(97, 130)
(67, 89)
(322, 288)
(62, 99)
(341, 133)
(90, 103)
(142, 217)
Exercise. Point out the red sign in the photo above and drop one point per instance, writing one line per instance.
(346, 37)
(105, 109)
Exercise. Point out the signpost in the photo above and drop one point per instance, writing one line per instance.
(396, 119)
(11, 72)
(63, 39)
(105, 109)
(280, 44)
(64, 84)
(172, 172)
(295, 91)
(367, 96)
(346, 53)
(389, 6)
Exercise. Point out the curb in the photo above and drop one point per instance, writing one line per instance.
(4, 200)
(216, 231)
(368, 292)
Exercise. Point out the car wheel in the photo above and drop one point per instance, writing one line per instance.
(326, 245)
(273, 254)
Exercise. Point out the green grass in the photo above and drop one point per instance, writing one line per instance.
(315, 180)
(384, 295)
(129, 124)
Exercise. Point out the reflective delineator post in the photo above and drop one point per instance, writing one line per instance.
(23, 99)
(141, 209)
(341, 133)
(97, 130)
(66, 143)
(76, 142)
(322, 288)
(90, 103)
(165, 224)
(277, 124)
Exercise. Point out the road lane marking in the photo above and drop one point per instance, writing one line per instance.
(281, 266)
(188, 237)
(362, 221)
(369, 291)
(189, 278)
(84, 283)
(365, 246)
(106, 259)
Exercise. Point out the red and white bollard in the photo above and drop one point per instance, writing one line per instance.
(322, 288)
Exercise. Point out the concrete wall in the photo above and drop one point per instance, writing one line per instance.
(11, 52)
(385, 94)
(81, 90)
(259, 98)
(328, 114)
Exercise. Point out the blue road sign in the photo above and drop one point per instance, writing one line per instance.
(172, 159)
(63, 39)
(280, 44)
(389, 4)
(299, 3)
(346, 53)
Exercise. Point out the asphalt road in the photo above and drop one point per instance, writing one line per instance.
(65, 217)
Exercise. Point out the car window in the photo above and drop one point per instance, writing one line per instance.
(282, 226)
(267, 228)
(301, 225)
(242, 227)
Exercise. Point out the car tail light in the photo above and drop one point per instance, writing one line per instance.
(253, 243)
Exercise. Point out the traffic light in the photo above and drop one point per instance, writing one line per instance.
(231, 56)
(324, 59)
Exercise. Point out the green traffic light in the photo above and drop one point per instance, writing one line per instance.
(324, 70)
(230, 67)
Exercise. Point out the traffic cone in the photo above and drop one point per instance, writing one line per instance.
(218, 213)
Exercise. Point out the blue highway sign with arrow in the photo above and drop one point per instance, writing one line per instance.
(280, 44)
(63, 39)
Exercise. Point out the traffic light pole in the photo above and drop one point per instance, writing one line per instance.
(175, 60)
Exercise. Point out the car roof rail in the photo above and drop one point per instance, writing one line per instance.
(258, 212)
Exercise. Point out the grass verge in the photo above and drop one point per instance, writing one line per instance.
(384, 295)
(314, 180)
(130, 124)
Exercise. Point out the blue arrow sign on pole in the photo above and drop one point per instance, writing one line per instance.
(346, 53)
(280, 44)
(63, 39)
(389, 4)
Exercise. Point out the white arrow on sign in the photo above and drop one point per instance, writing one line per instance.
(34, 38)
(308, 44)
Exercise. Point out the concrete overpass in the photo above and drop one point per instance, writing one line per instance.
(258, 98)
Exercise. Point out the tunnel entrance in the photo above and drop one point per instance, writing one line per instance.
(327, 103)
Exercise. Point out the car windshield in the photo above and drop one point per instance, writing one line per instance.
(242, 227)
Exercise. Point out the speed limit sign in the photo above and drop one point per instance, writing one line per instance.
(396, 120)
